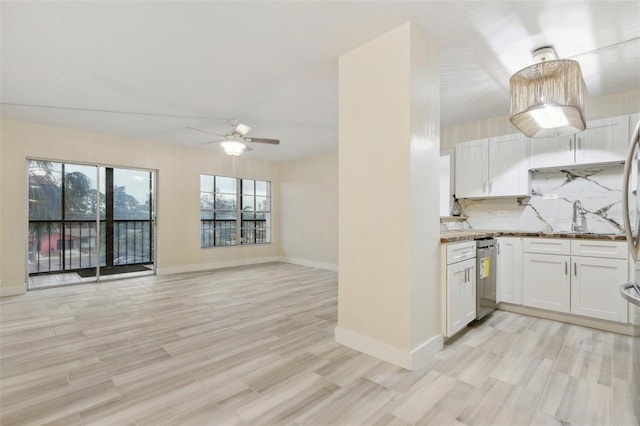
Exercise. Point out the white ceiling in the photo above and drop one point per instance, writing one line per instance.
(273, 65)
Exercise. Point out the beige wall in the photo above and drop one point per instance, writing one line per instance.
(388, 211)
(179, 170)
(309, 210)
(597, 107)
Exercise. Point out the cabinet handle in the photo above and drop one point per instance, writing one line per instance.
(570, 144)
(579, 142)
(565, 268)
(489, 187)
(484, 186)
(466, 274)
(575, 269)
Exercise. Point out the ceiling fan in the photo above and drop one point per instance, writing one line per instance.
(235, 143)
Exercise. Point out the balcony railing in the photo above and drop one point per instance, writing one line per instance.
(214, 233)
(56, 246)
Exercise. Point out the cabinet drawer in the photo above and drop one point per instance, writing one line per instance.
(461, 251)
(597, 248)
(546, 246)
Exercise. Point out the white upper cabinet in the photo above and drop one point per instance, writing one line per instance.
(472, 170)
(551, 152)
(603, 141)
(493, 167)
(508, 165)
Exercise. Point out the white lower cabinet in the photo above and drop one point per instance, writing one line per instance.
(461, 295)
(509, 276)
(582, 278)
(594, 288)
(546, 281)
(458, 286)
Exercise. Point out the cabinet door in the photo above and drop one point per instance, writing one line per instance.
(594, 288)
(551, 152)
(468, 294)
(472, 168)
(461, 303)
(603, 140)
(546, 281)
(510, 270)
(508, 165)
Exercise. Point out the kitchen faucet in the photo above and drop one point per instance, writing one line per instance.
(579, 214)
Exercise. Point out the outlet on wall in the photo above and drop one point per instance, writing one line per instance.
(501, 213)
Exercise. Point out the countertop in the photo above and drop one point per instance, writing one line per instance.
(472, 234)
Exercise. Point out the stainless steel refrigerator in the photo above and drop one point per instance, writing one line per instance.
(631, 290)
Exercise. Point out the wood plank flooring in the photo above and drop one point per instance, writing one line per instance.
(254, 346)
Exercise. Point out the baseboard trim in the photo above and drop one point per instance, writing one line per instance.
(599, 324)
(402, 358)
(216, 265)
(421, 354)
(311, 263)
(12, 290)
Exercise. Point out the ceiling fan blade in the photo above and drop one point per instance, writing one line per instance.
(204, 131)
(208, 142)
(263, 140)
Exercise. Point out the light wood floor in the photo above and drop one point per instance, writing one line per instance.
(255, 345)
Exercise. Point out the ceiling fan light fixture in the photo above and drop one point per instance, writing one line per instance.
(233, 147)
(548, 98)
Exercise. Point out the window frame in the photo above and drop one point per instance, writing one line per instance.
(245, 231)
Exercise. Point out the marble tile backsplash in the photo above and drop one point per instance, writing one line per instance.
(550, 208)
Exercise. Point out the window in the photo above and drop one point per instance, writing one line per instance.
(234, 211)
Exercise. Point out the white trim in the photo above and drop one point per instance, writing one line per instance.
(216, 265)
(311, 263)
(405, 359)
(12, 290)
(421, 354)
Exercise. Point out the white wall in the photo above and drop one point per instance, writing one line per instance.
(309, 210)
(179, 170)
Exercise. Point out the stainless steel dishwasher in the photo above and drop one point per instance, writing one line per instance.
(486, 265)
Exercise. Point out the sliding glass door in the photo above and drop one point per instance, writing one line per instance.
(88, 222)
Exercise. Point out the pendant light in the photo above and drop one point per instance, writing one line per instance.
(547, 98)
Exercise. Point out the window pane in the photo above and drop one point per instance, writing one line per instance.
(262, 188)
(225, 233)
(263, 203)
(103, 192)
(206, 214)
(248, 216)
(80, 189)
(206, 201)
(206, 183)
(248, 232)
(248, 203)
(45, 190)
(43, 253)
(227, 215)
(262, 216)
(225, 202)
(225, 185)
(206, 233)
(131, 194)
(248, 187)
